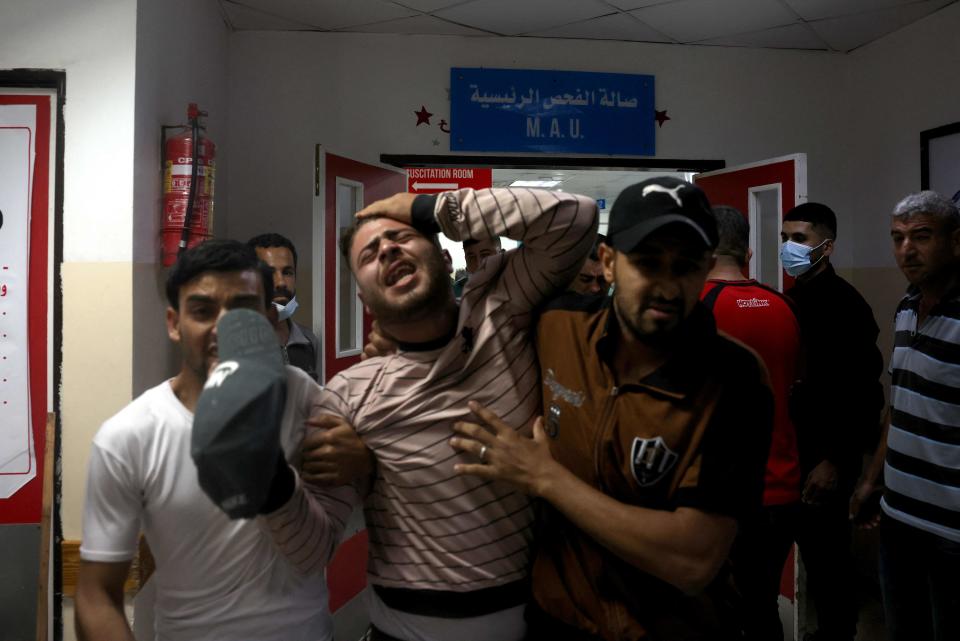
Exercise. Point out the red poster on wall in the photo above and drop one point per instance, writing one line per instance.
(24, 207)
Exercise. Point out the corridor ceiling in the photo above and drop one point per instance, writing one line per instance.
(824, 25)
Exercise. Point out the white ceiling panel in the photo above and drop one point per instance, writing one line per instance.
(695, 20)
(849, 32)
(423, 24)
(618, 26)
(819, 9)
(244, 18)
(512, 17)
(626, 5)
(333, 15)
(429, 5)
(839, 25)
(794, 36)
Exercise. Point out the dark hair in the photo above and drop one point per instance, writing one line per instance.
(266, 241)
(346, 236)
(734, 232)
(217, 255)
(595, 250)
(470, 242)
(820, 216)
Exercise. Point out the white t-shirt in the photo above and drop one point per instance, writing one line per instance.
(216, 578)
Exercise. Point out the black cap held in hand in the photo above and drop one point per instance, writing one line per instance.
(235, 441)
(644, 208)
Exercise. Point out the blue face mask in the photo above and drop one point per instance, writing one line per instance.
(795, 257)
(286, 311)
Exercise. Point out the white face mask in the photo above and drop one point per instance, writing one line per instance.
(286, 311)
(795, 257)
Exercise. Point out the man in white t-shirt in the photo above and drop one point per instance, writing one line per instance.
(216, 578)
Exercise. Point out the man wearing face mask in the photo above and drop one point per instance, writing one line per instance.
(836, 410)
(301, 347)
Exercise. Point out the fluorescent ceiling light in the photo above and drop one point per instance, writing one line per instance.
(535, 183)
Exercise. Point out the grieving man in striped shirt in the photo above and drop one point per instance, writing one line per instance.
(449, 554)
(920, 456)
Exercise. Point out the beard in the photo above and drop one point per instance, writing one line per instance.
(650, 334)
(414, 305)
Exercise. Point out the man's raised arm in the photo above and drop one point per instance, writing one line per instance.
(557, 231)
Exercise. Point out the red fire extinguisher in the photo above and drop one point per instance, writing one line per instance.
(187, 188)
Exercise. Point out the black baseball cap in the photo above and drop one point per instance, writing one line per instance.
(235, 441)
(643, 208)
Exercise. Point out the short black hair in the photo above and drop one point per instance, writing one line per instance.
(817, 214)
(595, 250)
(266, 241)
(217, 255)
(470, 242)
(734, 232)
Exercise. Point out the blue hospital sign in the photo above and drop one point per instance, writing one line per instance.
(551, 112)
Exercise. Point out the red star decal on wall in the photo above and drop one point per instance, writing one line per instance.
(661, 116)
(423, 116)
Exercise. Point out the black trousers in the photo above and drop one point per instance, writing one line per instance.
(824, 538)
(758, 555)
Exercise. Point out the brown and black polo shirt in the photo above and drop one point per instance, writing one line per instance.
(693, 433)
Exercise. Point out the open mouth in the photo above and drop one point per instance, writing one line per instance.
(399, 273)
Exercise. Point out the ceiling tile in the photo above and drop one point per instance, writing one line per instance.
(850, 32)
(626, 5)
(243, 18)
(819, 9)
(419, 25)
(695, 20)
(794, 36)
(512, 17)
(333, 15)
(428, 5)
(619, 26)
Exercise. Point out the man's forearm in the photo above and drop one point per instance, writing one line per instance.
(106, 624)
(685, 547)
(99, 608)
(875, 469)
(307, 528)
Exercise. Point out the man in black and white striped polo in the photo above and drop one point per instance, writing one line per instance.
(920, 524)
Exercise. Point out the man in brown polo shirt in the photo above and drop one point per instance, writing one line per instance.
(653, 443)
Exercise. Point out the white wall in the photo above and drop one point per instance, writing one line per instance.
(902, 84)
(857, 116)
(170, 73)
(130, 67)
(93, 41)
(356, 94)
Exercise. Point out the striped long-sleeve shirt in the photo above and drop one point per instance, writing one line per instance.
(430, 528)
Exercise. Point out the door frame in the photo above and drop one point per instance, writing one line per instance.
(55, 82)
(318, 263)
(799, 161)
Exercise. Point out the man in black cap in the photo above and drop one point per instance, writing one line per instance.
(654, 439)
(836, 409)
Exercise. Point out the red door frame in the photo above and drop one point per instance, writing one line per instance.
(732, 186)
(378, 182)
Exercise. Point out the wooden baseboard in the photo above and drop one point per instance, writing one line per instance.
(140, 569)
